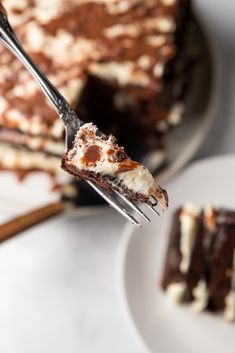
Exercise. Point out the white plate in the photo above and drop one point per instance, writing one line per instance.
(160, 326)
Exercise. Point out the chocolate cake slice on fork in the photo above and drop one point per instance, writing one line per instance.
(100, 159)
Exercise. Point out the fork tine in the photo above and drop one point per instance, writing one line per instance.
(155, 200)
(114, 203)
(134, 206)
(152, 208)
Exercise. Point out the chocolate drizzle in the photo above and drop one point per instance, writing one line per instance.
(92, 155)
(127, 165)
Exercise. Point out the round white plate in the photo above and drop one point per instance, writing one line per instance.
(160, 326)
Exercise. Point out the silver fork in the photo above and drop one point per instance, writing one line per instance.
(68, 116)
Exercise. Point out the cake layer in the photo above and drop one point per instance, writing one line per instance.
(14, 159)
(33, 143)
(222, 269)
(200, 261)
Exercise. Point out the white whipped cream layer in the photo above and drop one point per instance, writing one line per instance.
(188, 226)
(229, 312)
(201, 295)
(41, 144)
(176, 291)
(124, 73)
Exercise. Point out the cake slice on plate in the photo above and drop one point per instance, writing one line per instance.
(101, 160)
(200, 262)
(185, 238)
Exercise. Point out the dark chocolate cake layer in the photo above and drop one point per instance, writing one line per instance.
(222, 269)
(172, 273)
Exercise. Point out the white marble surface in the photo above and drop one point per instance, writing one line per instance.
(58, 288)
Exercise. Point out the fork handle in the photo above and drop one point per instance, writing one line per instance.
(58, 102)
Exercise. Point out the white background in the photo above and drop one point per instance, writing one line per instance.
(58, 288)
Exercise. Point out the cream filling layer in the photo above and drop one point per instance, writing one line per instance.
(201, 295)
(11, 158)
(124, 73)
(176, 291)
(188, 226)
(229, 312)
(34, 126)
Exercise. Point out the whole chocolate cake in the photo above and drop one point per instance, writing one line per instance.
(200, 261)
(120, 63)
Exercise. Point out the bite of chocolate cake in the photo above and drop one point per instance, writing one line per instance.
(100, 159)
